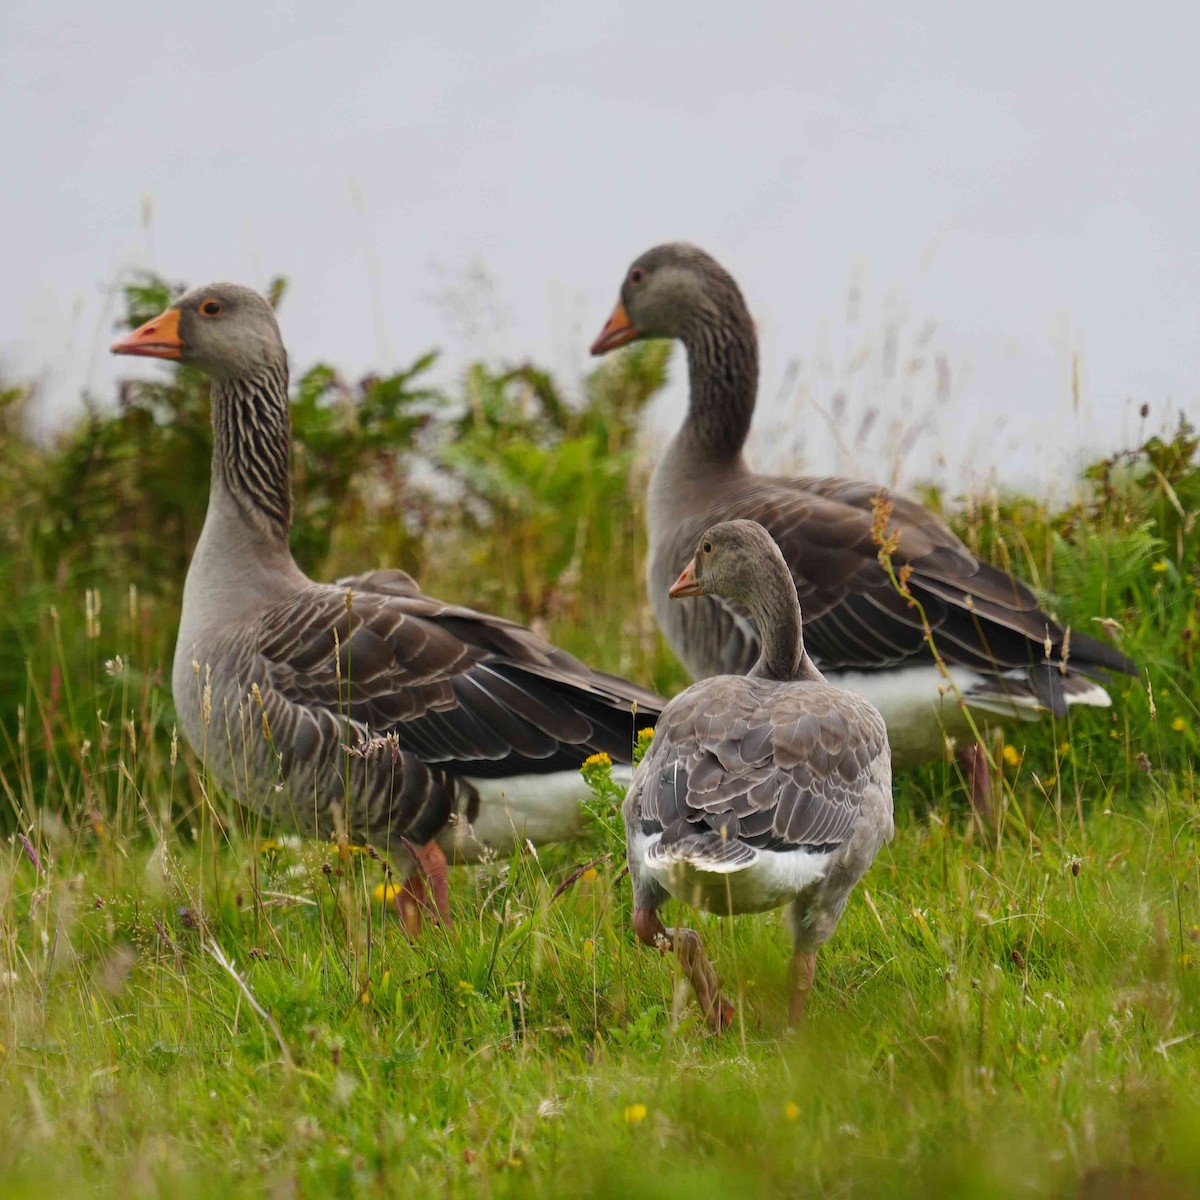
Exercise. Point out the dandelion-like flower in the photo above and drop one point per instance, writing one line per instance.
(634, 1114)
(791, 1111)
(1011, 756)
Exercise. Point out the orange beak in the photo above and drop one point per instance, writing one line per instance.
(617, 332)
(687, 583)
(156, 339)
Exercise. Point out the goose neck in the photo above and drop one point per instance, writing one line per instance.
(722, 352)
(776, 611)
(252, 449)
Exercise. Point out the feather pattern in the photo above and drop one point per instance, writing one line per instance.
(766, 765)
(366, 703)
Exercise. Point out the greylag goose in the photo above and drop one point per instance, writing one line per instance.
(760, 790)
(420, 726)
(1007, 657)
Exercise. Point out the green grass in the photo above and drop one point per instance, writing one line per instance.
(1009, 1015)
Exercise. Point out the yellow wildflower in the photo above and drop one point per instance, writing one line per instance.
(634, 1114)
(590, 874)
(1179, 724)
(644, 738)
(598, 760)
(1011, 756)
(791, 1110)
(386, 891)
(1159, 566)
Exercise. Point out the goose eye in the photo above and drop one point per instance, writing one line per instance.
(211, 308)
(636, 275)
(706, 547)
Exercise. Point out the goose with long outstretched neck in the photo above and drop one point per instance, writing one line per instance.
(1001, 655)
(758, 791)
(426, 728)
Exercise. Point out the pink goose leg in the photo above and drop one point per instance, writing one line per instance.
(432, 875)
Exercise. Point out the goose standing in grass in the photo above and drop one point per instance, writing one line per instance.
(757, 791)
(420, 726)
(1000, 652)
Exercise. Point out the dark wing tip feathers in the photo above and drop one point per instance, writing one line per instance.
(1090, 655)
(982, 616)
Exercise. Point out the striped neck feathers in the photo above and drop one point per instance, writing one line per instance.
(252, 447)
(722, 351)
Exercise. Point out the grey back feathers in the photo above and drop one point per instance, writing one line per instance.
(767, 765)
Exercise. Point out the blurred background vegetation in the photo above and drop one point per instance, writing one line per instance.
(502, 493)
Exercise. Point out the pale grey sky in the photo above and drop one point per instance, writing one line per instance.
(1012, 184)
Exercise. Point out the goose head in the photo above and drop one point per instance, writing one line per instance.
(740, 561)
(670, 291)
(736, 560)
(226, 330)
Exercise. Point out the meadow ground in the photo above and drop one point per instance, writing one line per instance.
(192, 1005)
(206, 1013)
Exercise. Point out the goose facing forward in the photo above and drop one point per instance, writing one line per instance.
(420, 726)
(1007, 657)
(757, 791)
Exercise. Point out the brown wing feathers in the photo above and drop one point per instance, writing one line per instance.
(471, 693)
(981, 617)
